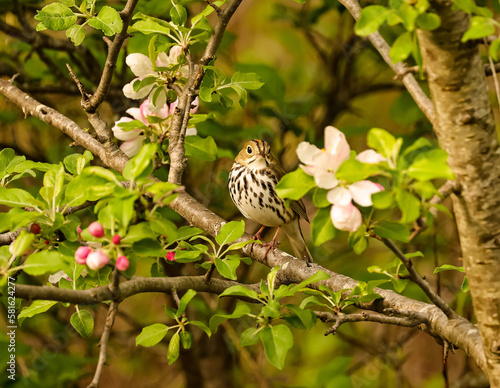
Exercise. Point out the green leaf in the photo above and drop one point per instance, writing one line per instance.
(240, 291)
(202, 326)
(230, 232)
(249, 81)
(141, 164)
(307, 317)
(241, 244)
(149, 247)
(322, 228)
(107, 20)
(428, 21)
(249, 337)
(227, 267)
(494, 48)
(17, 198)
(240, 310)
(43, 262)
(430, 165)
(448, 267)
(173, 349)
(465, 285)
(382, 199)
(186, 339)
(201, 148)
(186, 298)
(392, 230)
(319, 198)
(317, 277)
(295, 185)
(151, 335)
(56, 17)
(277, 340)
(37, 307)
(480, 27)
(370, 20)
(353, 170)
(178, 14)
(22, 242)
(150, 26)
(358, 241)
(83, 322)
(409, 206)
(402, 47)
(76, 34)
(382, 141)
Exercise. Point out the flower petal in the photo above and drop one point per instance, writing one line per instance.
(370, 156)
(339, 196)
(140, 65)
(191, 131)
(362, 192)
(133, 146)
(136, 114)
(336, 145)
(124, 135)
(306, 152)
(325, 179)
(195, 104)
(346, 218)
(129, 92)
(161, 100)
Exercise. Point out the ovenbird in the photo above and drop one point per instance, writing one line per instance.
(252, 182)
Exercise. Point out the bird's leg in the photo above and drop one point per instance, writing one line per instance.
(272, 243)
(257, 236)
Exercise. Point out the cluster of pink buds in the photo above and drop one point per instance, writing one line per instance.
(170, 256)
(96, 259)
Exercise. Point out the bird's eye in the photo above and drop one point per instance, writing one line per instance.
(249, 150)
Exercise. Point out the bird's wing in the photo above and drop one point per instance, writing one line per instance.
(297, 206)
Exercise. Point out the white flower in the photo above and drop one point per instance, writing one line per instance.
(359, 192)
(346, 217)
(370, 157)
(322, 164)
(142, 67)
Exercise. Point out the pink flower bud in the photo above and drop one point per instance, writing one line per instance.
(81, 254)
(97, 259)
(96, 229)
(170, 256)
(122, 263)
(116, 239)
(79, 230)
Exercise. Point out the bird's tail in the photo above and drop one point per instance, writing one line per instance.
(297, 241)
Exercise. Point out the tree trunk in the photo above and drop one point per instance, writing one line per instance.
(465, 126)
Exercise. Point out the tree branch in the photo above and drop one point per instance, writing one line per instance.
(364, 317)
(102, 90)
(423, 102)
(136, 285)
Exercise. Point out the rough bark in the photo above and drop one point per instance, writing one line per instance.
(465, 126)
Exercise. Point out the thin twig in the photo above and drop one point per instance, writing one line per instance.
(110, 320)
(217, 9)
(416, 278)
(364, 317)
(210, 272)
(422, 100)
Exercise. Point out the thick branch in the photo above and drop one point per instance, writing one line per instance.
(466, 130)
(136, 285)
(423, 102)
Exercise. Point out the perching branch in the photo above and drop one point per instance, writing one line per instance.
(423, 102)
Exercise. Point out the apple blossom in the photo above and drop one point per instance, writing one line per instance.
(134, 138)
(359, 192)
(370, 157)
(81, 254)
(97, 259)
(122, 263)
(346, 217)
(322, 164)
(142, 67)
(96, 229)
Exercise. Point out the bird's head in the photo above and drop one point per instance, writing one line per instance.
(255, 154)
